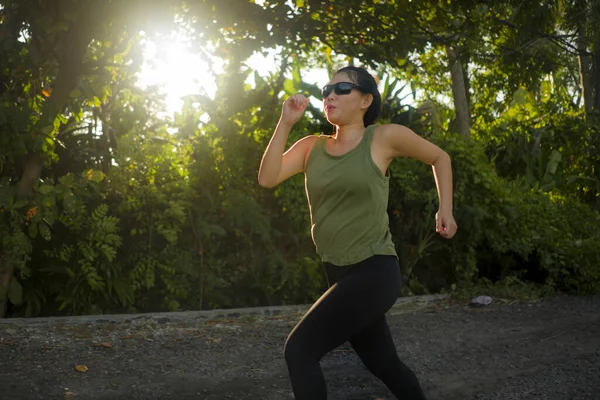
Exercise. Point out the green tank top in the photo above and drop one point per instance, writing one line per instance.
(348, 198)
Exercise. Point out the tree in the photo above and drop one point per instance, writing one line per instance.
(104, 209)
(580, 18)
(50, 48)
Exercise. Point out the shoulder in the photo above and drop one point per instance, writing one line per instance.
(390, 130)
(393, 139)
(307, 143)
(398, 140)
(391, 134)
(310, 139)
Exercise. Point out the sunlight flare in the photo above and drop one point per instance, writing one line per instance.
(177, 70)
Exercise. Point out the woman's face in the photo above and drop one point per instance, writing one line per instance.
(343, 109)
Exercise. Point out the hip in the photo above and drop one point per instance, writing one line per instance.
(381, 268)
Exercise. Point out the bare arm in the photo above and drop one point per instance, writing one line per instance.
(402, 141)
(276, 166)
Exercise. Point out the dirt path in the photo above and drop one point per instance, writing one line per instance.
(545, 350)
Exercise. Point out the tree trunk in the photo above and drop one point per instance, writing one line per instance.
(202, 274)
(70, 66)
(467, 82)
(459, 93)
(6, 273)
(585, 74)
(595, 72)
(199, 246)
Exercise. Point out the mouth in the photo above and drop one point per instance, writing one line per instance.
(329, 108)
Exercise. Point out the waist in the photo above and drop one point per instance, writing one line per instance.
(384, 267)
(349, 240)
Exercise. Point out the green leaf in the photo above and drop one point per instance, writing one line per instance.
(70, 203)
(64, 304)
(67, 180)
(93, 175)
(15, 292)
(47, 130)
(45, 231)
(48, 201)
(45, 188)
(289, 87)
(555, 158)
(296, 75)
(94, 102)
(33, 229)
(19, 204)
(76, 93)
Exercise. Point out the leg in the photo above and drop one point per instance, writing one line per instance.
(350, 305)
(375, 347)
(308, 342)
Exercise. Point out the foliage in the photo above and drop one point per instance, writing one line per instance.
(547, 144)
(510, 288)
(107, 207)
(505, 229)
(55, 211)
(92, 279)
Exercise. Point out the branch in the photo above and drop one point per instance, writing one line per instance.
(556, 39)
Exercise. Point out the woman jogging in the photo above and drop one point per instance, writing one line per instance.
(347, 188)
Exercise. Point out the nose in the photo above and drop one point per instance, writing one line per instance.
(329, 96)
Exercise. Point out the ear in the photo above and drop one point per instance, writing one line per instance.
(367, 99)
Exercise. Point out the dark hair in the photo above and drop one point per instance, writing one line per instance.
(364, 79)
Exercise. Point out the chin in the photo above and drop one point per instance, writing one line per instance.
(333, 120)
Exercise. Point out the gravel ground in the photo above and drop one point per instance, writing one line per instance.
(543, 350)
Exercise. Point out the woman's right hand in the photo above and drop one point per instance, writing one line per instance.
(293, 109)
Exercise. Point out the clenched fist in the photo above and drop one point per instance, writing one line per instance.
(293, 109)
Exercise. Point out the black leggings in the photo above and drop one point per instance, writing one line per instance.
(353, 309)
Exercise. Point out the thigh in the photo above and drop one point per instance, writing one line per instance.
(328, 324)
(351, 304)
(374, 341)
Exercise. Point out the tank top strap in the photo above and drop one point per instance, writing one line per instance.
(321, 140)
(317, 150)
(368, 137)
(319, 145)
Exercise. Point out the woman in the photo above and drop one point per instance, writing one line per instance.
(347, 189)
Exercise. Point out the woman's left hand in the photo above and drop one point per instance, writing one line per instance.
(445, 224)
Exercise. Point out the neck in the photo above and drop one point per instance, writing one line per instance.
(349, 132)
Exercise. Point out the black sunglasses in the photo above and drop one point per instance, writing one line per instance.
(340, 88)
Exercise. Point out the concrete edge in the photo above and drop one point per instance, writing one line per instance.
(204, 315)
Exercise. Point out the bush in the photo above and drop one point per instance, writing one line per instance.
(504, 230)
